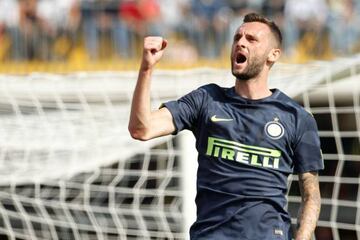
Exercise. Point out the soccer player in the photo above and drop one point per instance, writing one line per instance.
(249, 139)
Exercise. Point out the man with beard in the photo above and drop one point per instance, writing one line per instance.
(249, 139)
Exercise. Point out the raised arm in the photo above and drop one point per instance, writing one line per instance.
(145, 124)
(310, 205)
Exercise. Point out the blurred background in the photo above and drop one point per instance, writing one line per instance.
(76, 33)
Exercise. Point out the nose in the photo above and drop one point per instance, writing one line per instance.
(242, 42)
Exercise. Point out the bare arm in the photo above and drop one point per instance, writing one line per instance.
(145, 124)
(310, 205)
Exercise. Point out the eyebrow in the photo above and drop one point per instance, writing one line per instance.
(237, 35)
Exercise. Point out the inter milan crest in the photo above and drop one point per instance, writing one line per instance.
(274, 129)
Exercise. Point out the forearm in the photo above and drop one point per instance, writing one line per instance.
(141, 107)
(307, 219)
(309, 209)
(145, 124)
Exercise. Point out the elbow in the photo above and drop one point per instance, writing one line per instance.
(138, 134)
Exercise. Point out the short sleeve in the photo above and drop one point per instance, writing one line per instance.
(186, 110)
(307, 149)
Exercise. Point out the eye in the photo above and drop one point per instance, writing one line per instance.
(237, 37)
(251, 38)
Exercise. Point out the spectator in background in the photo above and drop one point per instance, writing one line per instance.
(90, 29)
(33, 26)
(49, 29)
(9, 24)
(101, 24)
(344, 21)
(151, 16)
(141, 17)
(305, 20)
(63, 19)
(36, 32)
(175, 15)
(67, 20)
(210, 25)
(274, 10)
(238, 6)
(130, 16)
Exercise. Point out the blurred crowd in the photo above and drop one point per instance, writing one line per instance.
(51, 30)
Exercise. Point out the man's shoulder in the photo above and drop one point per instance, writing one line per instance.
(299, 109)
(213, 89)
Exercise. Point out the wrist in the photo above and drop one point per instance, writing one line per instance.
(146, 67)
(145, 73)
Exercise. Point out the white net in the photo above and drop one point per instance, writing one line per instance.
(69, 169)
(335, 104)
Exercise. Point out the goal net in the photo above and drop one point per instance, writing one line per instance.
(70, 170)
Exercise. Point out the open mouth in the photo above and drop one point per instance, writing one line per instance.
(240, 58)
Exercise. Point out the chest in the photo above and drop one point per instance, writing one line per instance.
(249, 122)
(257, 134)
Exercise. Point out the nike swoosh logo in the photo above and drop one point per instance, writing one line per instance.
(215, 119)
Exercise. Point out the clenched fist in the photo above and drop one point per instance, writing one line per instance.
(153, 51)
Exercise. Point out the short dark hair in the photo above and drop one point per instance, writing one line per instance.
(255, 17)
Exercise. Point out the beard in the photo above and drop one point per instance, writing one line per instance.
(252, 70)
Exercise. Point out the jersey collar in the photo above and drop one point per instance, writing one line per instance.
(232, 94)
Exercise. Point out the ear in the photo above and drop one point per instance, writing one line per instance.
(274, 55)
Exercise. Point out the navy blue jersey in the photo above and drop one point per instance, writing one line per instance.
(247, 149)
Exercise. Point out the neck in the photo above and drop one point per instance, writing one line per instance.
(253, 89)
